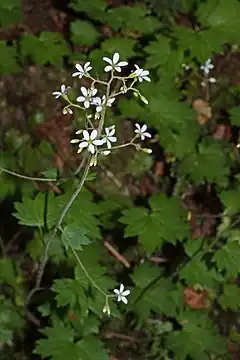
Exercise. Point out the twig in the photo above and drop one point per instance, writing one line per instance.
(111, 334)
(117, 255)
(158, 259)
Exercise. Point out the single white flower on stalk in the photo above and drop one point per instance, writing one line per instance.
(121, 294)
(207, 67)
(141, 74)
(63, 91)
(114, 63)
(86, 96)
(141, 131)
(100, 102)
(109, 138)
(82, 70)
(88, 141)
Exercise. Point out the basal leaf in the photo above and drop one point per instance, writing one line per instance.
(83, 32)
(91, 348)
(227, 259)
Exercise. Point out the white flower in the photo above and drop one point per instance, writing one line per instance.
(121, 294)
(141, 131)
(87, 96)
(114, 64)
(89, 141)
(109, 138)
(82, 70)
(62, 92)
(141, 74)
(207, 67)
(100, 102)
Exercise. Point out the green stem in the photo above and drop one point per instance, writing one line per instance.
(24, 176)
(87, 274)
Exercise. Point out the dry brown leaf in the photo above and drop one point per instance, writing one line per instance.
(203, 110)
(195, 300)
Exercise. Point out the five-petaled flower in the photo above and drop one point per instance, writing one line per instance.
(141, 131)
(86, 96)
(82, 70)
(121, 294)
(114, 63)
(100, 102)
(141, 74)
(109, 138)
(63, 91)
(207, 67)
(88, 141)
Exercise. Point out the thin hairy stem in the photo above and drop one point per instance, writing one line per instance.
(25, 176)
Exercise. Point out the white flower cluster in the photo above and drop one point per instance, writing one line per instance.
(93, 140)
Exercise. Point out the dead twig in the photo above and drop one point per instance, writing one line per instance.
(117, 255)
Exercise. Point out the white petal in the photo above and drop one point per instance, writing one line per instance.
(63, 88)
(146, 134)
(91, 148)
(116, 291)
(212, 80)
(144, 128)
(108, 68)
(93, 92)
(116, 58)
(93, 134)
(77, 74)
(79, 68)
(107, 60)
(99, 108)
(86, 104)
(118, 69)
(144, 73)
(126, 293)
(138, 126)
(80, 99)
(106, 152)
(84, 91)
(124, 300)
(147, 78)
(137, 67)
(112, 139)
(75, 141)
(97, 142)
(110, 101)
(122, 63)
(86, 135)
(121, 288)
(83, 144)
(142, 137)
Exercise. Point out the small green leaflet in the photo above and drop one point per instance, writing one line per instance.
(227, 259)
(197, 339)
(230, 298)
(166, 222)
(75, 237)
(125, 46)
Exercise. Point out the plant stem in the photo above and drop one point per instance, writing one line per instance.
(24, 176)
(86, 272)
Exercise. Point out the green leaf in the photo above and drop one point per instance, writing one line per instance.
(59, 343)
(196, 272)
(144, 274)
(210, 163)
(166, 222)
(69, 292)
(48, 48)
(75, 237)
(83, 33)
(230, 299)
(235, 116)
(10, 12)
(125, 46)
(91, 348)
(197, 338)
(30, 212)
(9, 57)
(11, 322)
(94, 9)
(222, 16)
(230, 200)
(164, 298)
(227, 259)
(159, 51)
